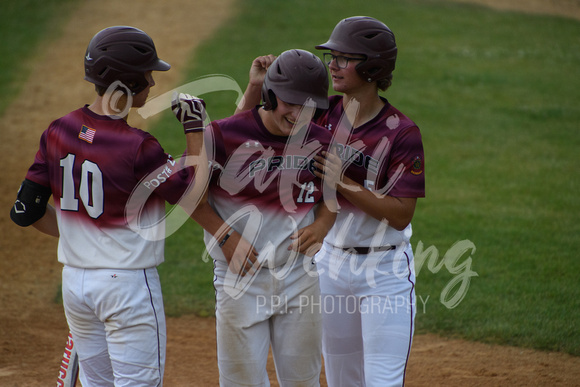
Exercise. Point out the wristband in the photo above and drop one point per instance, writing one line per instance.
(223, 242)
(194, 130)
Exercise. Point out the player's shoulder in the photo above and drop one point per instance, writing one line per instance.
(395, 120)
(235, 126)
(334, 110)
(116, 132)
(68, 126)
(139, 133)
(87, 117)
(237, 119)
(334, 106)
(67, 119)
(399, 128)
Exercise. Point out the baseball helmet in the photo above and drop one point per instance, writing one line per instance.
(369, 37)
(122, 53)
(295, 76)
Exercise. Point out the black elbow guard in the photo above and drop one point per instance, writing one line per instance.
(30, 204)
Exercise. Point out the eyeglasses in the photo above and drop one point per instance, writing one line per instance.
(341, 61)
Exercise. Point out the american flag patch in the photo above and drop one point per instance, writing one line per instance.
(87, 134)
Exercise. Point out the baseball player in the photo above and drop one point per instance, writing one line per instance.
(264, 221)
(366, 264)
(367, 341)
(91, 161)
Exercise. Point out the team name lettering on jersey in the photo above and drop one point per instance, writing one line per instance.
(280, 162)
(358, 158)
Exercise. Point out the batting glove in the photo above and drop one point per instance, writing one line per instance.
(190, 111)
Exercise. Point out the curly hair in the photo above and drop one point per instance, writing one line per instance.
(385, 83)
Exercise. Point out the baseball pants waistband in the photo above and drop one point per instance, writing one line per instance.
(365, 250)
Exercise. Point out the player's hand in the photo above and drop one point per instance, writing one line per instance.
(190, 111)
(258, 69)
(307, 240)
(328, 167)
(240, 255)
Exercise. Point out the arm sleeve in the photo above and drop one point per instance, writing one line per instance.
(169, 176)
(39, 171)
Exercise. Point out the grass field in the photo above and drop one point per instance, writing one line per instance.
(23, 26)
(495, 95)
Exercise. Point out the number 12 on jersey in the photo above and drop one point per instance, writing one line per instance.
(306, 191)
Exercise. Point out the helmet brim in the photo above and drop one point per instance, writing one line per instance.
(324, 46)
(161, 65)
(332, 46)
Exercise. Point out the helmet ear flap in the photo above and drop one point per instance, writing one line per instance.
(136, 83)
(268, 97)
(272, 99)
(367, 71)
(378, 67)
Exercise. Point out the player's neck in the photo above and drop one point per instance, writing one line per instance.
(107, 106)
(369, 105)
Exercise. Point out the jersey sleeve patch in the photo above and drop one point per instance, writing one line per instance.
(417, 165)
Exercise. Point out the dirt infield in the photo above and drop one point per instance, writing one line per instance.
(32, 326)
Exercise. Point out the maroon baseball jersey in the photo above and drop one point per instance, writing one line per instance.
(264, 184)
(384, 155)
(93, 164)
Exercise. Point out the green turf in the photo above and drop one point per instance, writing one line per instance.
(495, 95)
(24, 26)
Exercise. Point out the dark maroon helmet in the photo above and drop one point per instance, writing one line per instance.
(124, 54)
(369, 37)
(295, 76)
